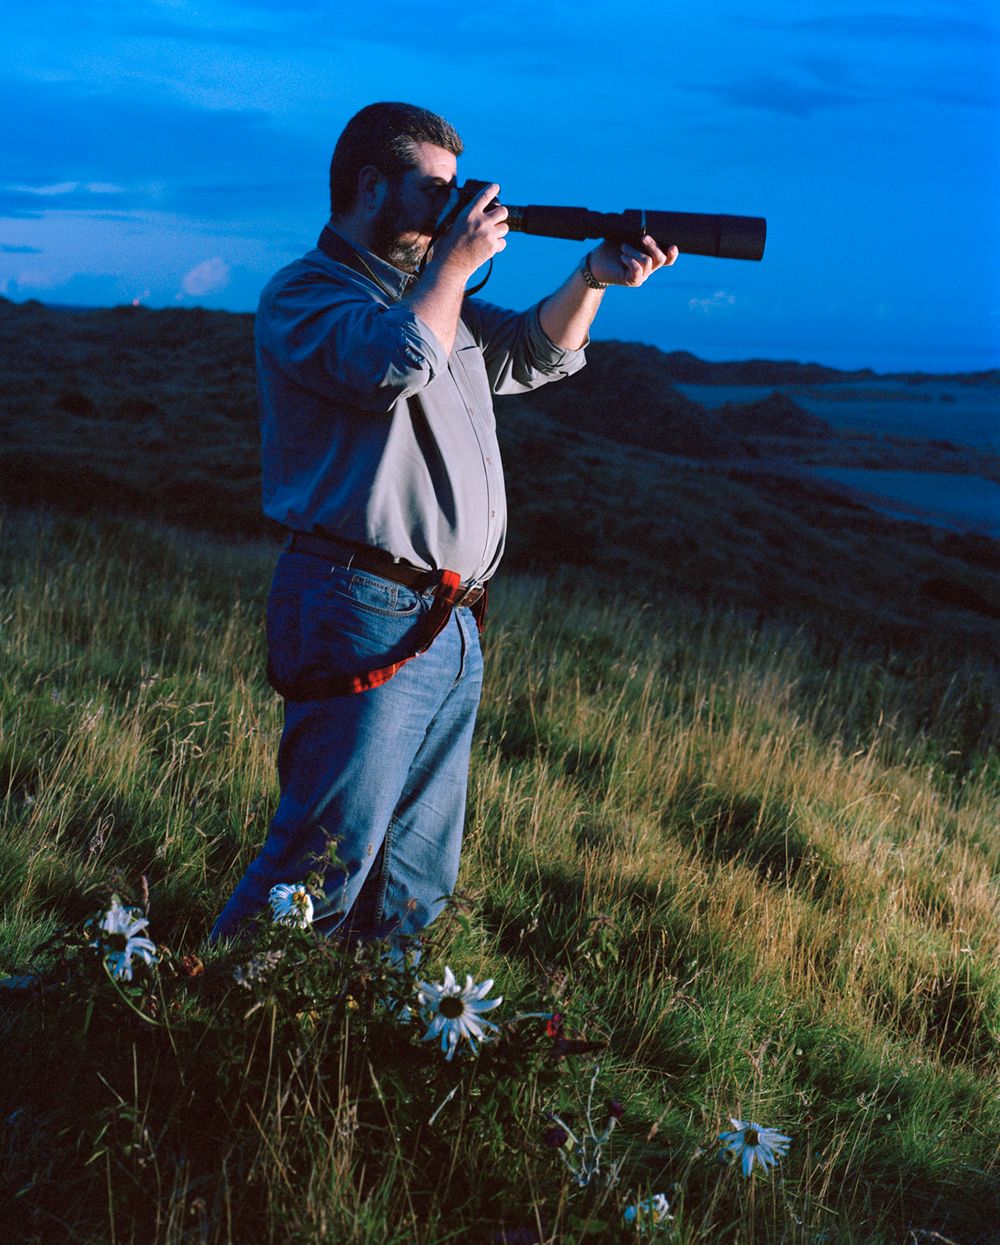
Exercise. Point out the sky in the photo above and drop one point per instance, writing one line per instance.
(175, 153)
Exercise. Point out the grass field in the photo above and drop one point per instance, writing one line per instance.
(763, 879)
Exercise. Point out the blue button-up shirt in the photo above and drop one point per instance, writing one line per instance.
(370, 432)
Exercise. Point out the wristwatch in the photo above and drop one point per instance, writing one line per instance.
(589, 277)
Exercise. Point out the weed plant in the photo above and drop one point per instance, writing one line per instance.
(728, 875)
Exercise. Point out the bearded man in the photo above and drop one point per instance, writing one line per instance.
(376, 374)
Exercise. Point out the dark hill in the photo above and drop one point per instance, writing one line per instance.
(613, 473)
(625, 393)
(776, 415)
(683, 368)
(687, 369)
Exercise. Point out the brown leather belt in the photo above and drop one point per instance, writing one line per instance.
(378, 562)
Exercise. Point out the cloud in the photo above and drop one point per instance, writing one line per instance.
(721, 300)
(62, 135)
(111, 20)
(208, 277)
(6, 249)
(236, 200)
(776, 93)
(266, 26)
(38, 279)
(30, 202)
(60, 188)
(67, 149)
(895, 27)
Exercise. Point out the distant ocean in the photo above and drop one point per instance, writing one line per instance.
(931, 410)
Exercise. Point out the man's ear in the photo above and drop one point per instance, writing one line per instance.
(372, 187)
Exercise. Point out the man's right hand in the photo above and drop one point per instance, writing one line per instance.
(479, 233)
(476, 236)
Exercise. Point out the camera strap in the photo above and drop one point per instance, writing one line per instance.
(340, 251)
(445, 222)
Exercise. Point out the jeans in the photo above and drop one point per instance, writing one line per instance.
(380, 775)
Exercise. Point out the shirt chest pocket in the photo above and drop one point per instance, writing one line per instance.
(469, 371)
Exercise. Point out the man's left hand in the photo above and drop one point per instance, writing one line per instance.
(615, 263)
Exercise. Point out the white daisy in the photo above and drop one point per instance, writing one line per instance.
(120, 962)
(751, 1141)
(653, 1212)
(291, 904)
(452, 1013)
(121, 927)
(120, 920)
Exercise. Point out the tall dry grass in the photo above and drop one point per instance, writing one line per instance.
(764, 878)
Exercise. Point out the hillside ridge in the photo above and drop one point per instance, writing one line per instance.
(155, 413)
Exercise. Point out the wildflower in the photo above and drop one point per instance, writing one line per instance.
(257, 969)
(122, 927)
(616, 1109)
(120, 962)
(754, 1142)
(453, 1014)
(555, 1137)
(291, 904)
(120, 920)
(654, 1212)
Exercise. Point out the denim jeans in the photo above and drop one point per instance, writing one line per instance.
(382, 774)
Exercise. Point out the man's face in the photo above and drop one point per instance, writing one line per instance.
(405, 221)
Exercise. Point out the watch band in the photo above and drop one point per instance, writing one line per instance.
(588, 276)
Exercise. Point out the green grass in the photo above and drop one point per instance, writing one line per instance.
(765, 877)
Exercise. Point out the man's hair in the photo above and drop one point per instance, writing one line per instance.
(384, 135)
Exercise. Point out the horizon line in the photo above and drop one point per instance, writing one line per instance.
(790, 362)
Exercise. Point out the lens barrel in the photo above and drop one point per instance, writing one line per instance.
(695, 233)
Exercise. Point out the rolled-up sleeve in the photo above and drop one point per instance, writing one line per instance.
(349, 347)
(518, 353)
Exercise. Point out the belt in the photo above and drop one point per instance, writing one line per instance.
(448, 592)
(378, 562)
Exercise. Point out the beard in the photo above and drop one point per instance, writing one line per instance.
(389, 234)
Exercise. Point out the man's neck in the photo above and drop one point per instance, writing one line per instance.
(360, 231)
(357, 232)
(392, 280)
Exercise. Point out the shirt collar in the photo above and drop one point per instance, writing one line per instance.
(392, 278)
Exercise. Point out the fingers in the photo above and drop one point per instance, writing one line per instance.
(486, 195)
(492, 216)
(640, 264)
(663, 259)
(478, 233)
(483, 199)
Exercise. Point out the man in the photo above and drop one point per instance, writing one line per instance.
(380, 457)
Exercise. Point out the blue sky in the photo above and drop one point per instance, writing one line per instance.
(176, 152)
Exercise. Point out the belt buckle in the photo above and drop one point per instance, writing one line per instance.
(470, 595)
